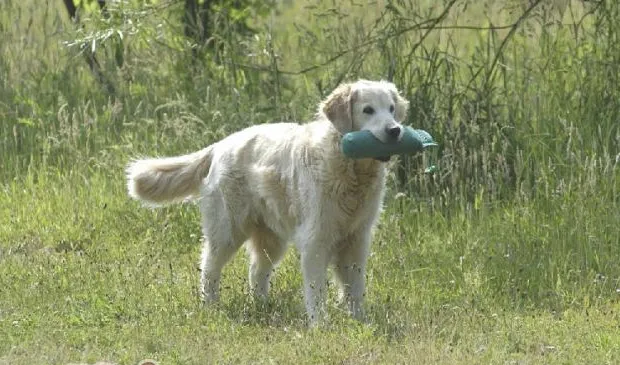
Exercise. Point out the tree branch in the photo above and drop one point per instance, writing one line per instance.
(89, 56)
(429, 25)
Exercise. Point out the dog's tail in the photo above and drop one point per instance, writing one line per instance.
(167, 180)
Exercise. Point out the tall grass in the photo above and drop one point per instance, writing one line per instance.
(508, 103)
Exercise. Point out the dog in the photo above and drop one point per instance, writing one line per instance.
(270, 184)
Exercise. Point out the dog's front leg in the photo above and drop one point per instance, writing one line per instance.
(314, 262)
(350, 270)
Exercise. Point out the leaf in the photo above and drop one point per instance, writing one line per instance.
(26, 121)
(119, 52)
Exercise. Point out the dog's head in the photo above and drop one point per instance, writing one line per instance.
(376, 106)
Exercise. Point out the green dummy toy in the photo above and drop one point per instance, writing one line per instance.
(363, 144)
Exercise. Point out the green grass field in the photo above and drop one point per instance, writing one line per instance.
(510, 255)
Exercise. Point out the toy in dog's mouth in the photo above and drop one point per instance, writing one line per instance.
(363, 144)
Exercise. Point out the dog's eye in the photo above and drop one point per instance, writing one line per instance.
(391, 108)
(369, 110)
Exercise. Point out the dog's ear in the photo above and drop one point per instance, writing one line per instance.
(337, 108)
(402, 105)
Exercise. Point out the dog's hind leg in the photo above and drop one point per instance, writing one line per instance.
(215, 255)
(222, 239)
(266, 250)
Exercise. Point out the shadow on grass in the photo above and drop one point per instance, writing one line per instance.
(284, 309)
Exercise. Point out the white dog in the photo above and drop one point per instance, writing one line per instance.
(273, 183)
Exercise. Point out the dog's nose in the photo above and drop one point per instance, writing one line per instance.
(393, 131)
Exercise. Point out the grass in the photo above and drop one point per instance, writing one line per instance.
(87, 275)
(509, 255)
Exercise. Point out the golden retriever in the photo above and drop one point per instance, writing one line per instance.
(270, 184)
